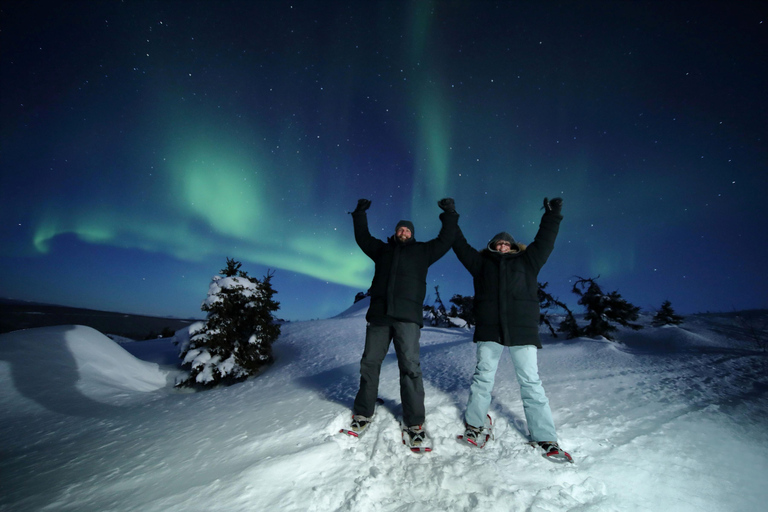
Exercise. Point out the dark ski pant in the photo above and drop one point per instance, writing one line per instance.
(405, 336)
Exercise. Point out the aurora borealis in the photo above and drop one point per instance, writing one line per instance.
(143, 142)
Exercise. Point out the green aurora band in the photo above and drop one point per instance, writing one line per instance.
(217, 205)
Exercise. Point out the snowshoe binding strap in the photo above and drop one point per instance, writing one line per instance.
(359, 422)
(415, 437)
(554, 453)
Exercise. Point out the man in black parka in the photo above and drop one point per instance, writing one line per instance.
(396, 312)
(506, 309)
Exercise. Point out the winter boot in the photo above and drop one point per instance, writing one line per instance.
(477, 436)
(474, 435)
(358, 426)
(416, 438)
(553, 452)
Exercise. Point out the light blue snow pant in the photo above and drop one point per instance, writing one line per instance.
(535, 402)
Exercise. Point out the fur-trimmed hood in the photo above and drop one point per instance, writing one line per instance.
(517, 247)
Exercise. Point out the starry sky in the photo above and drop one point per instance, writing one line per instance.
(144, 142)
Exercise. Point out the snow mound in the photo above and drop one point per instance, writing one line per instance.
(359, 308)
(78, 355)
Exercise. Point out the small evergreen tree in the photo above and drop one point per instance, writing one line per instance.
(570, 327)
(236, 340)
(464, 306)
(436, 314)
(547, 302)
(666, 316)
(602, 309)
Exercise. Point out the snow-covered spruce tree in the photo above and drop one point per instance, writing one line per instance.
(436, 314)
(547, 302)
(602, 309)
(666, 316)
(236, 340)
(570, 327)
(464, 305)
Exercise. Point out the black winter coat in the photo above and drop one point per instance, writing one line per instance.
(506, 304)
(400, 278)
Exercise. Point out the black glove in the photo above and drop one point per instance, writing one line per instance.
(554, 206)
(362, 205)
(447, 205)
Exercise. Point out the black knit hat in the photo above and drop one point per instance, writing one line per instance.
(407, 224)
(501, 236)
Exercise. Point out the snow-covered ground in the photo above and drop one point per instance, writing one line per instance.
(673, 418)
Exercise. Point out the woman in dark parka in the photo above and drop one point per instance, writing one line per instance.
(506, 308)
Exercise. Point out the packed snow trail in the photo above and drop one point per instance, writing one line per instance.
(672, 419)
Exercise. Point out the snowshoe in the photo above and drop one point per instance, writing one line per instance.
(477, 436)
(358, 427)
(553, 452)
(360, 424)
(415, 438)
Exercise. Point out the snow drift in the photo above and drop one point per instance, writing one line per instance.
(45, 362)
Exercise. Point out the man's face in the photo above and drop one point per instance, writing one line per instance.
(403, 233)
(503, 246)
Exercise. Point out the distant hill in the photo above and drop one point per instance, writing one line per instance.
(16, 315)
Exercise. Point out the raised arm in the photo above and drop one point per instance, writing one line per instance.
(450, 219)
(468, 255)
(369, 245)
(544, 242)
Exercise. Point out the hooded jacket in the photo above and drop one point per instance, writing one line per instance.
(400, 277)
(506, 303)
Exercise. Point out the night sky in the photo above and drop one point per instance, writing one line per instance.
(144, 142)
